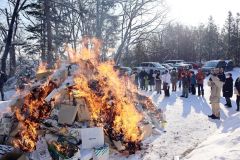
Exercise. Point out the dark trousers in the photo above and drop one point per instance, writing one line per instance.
(200, 90)
(193, 89)
(238, 102)
(158, 86)
(180, 83)
(2, 93)
(166, 89)
(185, 92)
(228, 100)
(142, 84)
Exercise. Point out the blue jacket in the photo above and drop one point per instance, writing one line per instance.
(193, 79)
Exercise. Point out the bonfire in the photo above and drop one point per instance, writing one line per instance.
(111, 100)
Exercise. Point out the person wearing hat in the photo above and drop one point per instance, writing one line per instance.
(237, 92)
(216, 86)
(174, 79)
(200, 79)
(228, 89)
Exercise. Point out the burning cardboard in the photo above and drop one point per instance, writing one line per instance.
(67, 114)
(83, 110)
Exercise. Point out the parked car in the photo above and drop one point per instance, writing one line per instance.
(122, 70)
(181, 65)
(174, 61)
(136, 69)
(210, 65)
(229, 65)
(167, 66)
(194, 65)
(147, 66)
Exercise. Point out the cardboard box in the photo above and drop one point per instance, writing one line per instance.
(67, 114)
(83, 110)
(92, 137)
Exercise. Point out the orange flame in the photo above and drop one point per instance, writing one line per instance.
(29, 116)
(42, 67)
(110, 100)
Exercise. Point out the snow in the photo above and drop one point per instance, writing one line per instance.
(191, 135)
(223, 145)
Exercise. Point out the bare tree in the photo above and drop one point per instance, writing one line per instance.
(139, 18)
(18, 6)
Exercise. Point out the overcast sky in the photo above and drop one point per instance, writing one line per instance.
(194, 12)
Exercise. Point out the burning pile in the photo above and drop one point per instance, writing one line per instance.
(112, 101)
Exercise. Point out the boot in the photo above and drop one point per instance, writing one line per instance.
(211, 116)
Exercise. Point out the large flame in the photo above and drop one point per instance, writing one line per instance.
(111, 100)
(29, 115)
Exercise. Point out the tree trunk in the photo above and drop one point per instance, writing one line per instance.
(9, 36)
(12, 61)
(49, 33)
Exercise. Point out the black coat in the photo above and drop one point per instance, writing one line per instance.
(228, 87)
(237, 84)
(151, 79)
(3, 79)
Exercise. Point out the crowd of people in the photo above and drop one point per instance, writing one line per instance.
(188, 81)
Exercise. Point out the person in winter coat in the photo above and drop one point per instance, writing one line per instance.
(166, 78)
(3, 79)
(228, 89)
(216, 86)
(151, 79)
(237, 92)
(142, 74)
(180, 71)
(193, 82)
(146, 82)
(158, 82)
(185, 85)
(200, 79)
(221, 75)
(174, 79)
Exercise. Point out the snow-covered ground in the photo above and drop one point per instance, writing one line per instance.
(190, 133)
(188, 126)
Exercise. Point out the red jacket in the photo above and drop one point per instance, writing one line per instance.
(200, 77)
